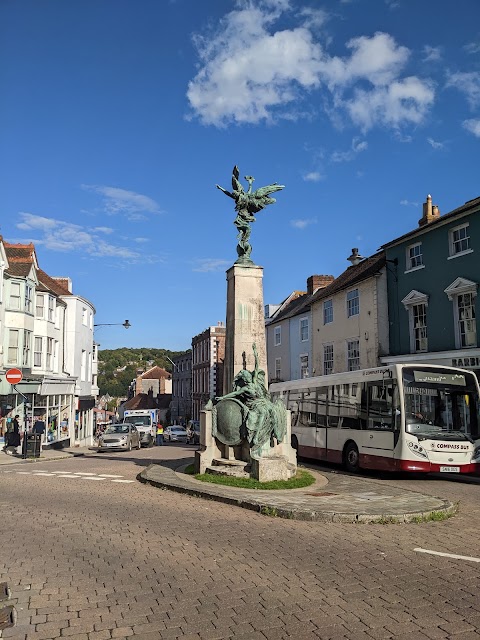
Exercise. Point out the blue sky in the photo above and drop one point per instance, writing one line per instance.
(118, 117)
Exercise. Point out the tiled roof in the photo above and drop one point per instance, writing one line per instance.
(20, 252)
(294, 307)
(147, 401)
(471, 204)
(155, 373)
(20, 269)
(351, 276)
(51, 284)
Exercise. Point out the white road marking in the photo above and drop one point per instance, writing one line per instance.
(108, 475)
(123, 481)
(69, 476)
(24, 473)
(91, 478)
(83, 473)
(447, 555)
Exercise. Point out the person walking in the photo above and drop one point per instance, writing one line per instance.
(12, 437)
(159, 440)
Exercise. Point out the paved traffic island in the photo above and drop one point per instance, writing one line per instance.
(333, 498)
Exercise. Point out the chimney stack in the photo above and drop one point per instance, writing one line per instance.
(430, 212)
(318, 282)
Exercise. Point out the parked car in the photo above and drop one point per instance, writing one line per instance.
(175, 433)
(119, 436)
(193, 432)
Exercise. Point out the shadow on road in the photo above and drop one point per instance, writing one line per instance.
(171, 463)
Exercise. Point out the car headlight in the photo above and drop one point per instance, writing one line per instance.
(418, 449)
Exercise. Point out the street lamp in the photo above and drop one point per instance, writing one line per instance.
(125, 324)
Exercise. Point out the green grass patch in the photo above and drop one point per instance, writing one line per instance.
(302, 479)
(190, 469)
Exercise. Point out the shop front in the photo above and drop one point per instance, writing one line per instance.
(52, 401)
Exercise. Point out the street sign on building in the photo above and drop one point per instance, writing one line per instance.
(14, 376)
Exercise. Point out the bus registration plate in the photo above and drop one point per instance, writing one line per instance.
(450, 469)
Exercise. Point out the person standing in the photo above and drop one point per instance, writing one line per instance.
(12, 437)
(159, 440)
(39, 428)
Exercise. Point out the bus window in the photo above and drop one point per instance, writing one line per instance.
(333, 408)
(350, 406)
(322, 407)
(308, 409)
(380, 405)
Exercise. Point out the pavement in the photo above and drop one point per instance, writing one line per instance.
(335, 496)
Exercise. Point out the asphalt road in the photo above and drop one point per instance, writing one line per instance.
(89, 553)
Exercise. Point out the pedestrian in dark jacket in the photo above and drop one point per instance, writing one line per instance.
(12, 437)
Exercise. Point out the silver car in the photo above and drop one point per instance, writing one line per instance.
(119, 436)
(175, 433)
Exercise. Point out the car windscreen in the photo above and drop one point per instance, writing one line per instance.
(138, 421)
(118, 428)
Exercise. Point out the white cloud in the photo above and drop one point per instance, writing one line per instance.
(407, 203)
(66, 237)
(473, 126)
(107, 230)
(120, 201)
(250, 73)
(434, 144)
(432, 54)
(303, 223)
(467, 83)
(141, 240)
(205, 265)
(472, 48)
(346, 156)
(313, 176)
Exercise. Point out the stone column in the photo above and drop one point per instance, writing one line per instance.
(245, 322)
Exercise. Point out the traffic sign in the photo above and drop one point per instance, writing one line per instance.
(14, 376)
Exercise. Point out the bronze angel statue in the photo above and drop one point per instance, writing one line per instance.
(246, 204)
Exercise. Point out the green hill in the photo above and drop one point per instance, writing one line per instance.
(118, 367)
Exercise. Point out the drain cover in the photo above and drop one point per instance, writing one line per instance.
(7, 617)
(4, 591)
(322, 493)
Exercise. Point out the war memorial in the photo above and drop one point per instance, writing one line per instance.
(244, 433)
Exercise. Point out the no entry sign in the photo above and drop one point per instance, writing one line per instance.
(14, 376)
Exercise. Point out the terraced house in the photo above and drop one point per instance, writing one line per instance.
(432, 289)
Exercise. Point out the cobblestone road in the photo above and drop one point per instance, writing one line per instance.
(98, 559)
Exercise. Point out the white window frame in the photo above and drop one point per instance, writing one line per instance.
(49, 355)
(302, 329)
(460, 287)
(413, 262)
(51, 309)
(353, 303)
(415, 299)
(328, 312)
(277, 336)
(13, 344)
(353, 358)
(28, 298)
(40, 308)
(38, 352)
(27, 340)
(15, 294)
(304, 364)
(452, 242)
(327, 369)
(278, 368)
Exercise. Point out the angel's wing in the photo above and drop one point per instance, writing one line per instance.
(259, 199)
(236, 184)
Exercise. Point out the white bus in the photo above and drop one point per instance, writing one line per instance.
(402, 417)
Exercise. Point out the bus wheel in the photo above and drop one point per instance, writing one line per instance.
(294, 443)
(351, 458)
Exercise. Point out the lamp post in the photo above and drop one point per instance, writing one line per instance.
(125, 324)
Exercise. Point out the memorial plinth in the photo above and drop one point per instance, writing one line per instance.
(245, 322)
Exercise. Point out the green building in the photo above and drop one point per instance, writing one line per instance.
(433, 274)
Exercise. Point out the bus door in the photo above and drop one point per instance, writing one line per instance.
(378, 447)
(344, 419)
(302, 404)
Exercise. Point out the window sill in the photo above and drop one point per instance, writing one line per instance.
(421, 266)
(461, 253)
